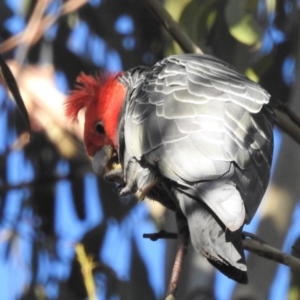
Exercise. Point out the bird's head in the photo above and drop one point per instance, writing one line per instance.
(101, 99)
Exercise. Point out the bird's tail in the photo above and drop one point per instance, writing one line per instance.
(222, 248)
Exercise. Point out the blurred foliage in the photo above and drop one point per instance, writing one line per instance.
(294, 292)
(101, 47)
(258, 37)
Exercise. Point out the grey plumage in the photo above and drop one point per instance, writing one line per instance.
(204, 129)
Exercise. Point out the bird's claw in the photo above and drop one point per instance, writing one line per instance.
(114, 176)
(124, 191)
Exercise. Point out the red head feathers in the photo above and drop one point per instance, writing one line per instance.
(102, 99)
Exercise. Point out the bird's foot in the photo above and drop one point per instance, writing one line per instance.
(125, 191)
(114, 176)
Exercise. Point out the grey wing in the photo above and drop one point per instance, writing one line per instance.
(205, 123)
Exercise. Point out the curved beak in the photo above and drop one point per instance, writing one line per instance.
(102, 160)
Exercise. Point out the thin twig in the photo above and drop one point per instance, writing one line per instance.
(160, 235)
(294, 117)
(43, 25)
(172, 27)
(252, 236)
(177, 267)
(284, 122)
(87, 266)
(31, 29)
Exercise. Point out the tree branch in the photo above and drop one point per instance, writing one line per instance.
(292, 115)
(177, 267)
(271, 253)
(253, 244)
(178, 262)
(172, 27)
(284, 122)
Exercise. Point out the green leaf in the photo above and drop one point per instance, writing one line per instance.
(246, 31)
(211, 18)
(251, 75)
(242, 25)
(175, 8)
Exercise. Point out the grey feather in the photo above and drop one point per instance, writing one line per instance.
(208, 237)
(204, 129)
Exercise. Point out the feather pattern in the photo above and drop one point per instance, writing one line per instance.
(208, 127)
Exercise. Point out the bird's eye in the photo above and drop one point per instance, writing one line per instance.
(100, 128)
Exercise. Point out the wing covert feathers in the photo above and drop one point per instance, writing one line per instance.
(206, 127)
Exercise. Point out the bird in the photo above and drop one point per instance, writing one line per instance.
(189, 132)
